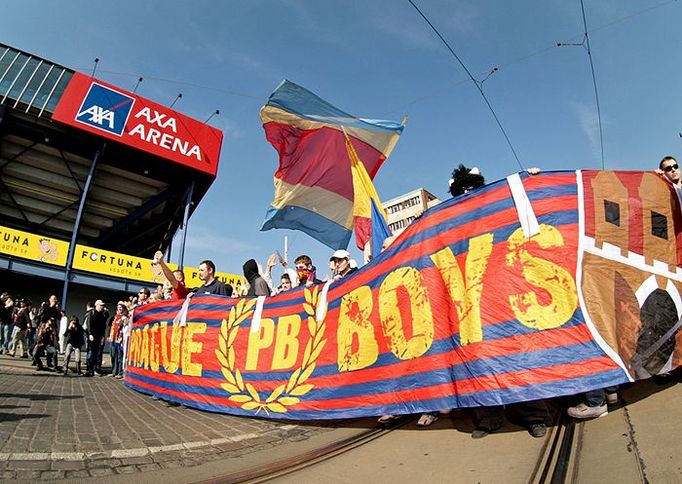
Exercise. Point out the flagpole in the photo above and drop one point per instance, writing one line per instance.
(286, 249)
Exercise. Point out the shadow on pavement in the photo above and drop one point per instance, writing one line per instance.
(14, 417)
(39, 397)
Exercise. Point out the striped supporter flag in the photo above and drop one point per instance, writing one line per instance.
(314, 184)
(462, 310)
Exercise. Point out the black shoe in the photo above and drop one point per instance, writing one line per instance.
(88, 374)
(537, 430)
(480, 432)
(24, 356)
(663, 379)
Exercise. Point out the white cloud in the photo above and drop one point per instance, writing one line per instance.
(588, 122)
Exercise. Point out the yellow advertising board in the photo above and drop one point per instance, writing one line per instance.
(53, 251)
(192, 279)
(114, 264)
(33, 247)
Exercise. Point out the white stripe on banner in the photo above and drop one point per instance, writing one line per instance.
(181, 317)
(527, 218)
(322, 304)
(255, 322)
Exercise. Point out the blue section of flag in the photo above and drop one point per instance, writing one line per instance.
(317, 226)
(380, 230)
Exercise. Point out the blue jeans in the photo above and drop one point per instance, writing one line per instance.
(7, 330)
(597, 398)
(116, 359)
(49, 351)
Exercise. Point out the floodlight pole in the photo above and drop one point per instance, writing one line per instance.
(185, 219)
(77, 223)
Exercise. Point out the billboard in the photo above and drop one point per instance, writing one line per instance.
(33, 247)
(108, 111)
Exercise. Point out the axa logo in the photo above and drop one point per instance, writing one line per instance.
(106, 109)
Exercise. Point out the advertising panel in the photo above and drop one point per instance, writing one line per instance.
(114, 264)
(105, 110)
(33, 247)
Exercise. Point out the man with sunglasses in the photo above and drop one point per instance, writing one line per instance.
(669, 168)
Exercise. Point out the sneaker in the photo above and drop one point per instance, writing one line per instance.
(612, 398)
(480, 432)
(537, 430)
(384, 419)
(426, 419)
(584, 411)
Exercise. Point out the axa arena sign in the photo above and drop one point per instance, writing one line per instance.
(105, 110)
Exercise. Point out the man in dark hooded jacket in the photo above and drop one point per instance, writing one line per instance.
(257, 285)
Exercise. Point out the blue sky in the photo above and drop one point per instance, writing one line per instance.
(379, 59)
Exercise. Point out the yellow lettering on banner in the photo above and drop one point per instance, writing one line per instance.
(170, 361)
(357, 345)
(392, 321)
(286, 343)
(258, 341)
(190, 347)
(154, 348)
(138, 346)
(132, 348)
(546, 275)
(144, 360)
(466, 293)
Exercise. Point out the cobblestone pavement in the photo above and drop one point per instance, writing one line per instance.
(55, 427)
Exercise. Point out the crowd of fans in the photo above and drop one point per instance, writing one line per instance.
(45, 333)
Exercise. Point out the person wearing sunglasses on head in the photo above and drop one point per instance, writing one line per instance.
(305, 271)
(670, 170)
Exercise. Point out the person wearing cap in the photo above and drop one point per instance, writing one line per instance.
(341, 260)
(96, 329)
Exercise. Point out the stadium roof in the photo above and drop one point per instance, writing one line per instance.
(137, 196)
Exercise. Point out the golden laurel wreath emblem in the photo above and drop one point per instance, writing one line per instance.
(286, 394)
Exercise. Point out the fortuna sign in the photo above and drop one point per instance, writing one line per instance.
(102, 109)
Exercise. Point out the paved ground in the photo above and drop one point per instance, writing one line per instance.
(54, 427)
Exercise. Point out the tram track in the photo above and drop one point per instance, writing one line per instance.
(553, 465)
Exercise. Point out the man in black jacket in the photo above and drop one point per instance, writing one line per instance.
(96, 331)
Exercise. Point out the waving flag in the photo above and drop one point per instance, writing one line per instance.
(314, 188)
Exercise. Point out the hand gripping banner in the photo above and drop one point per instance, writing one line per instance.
(479, 302)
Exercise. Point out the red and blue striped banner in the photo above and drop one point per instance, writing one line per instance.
(464, 309)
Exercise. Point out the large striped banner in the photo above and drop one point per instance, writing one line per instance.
(529, 288)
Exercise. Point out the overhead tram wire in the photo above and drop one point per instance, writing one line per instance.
(586, 45)
(476, 83)
(594, 82)
(543, 50)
